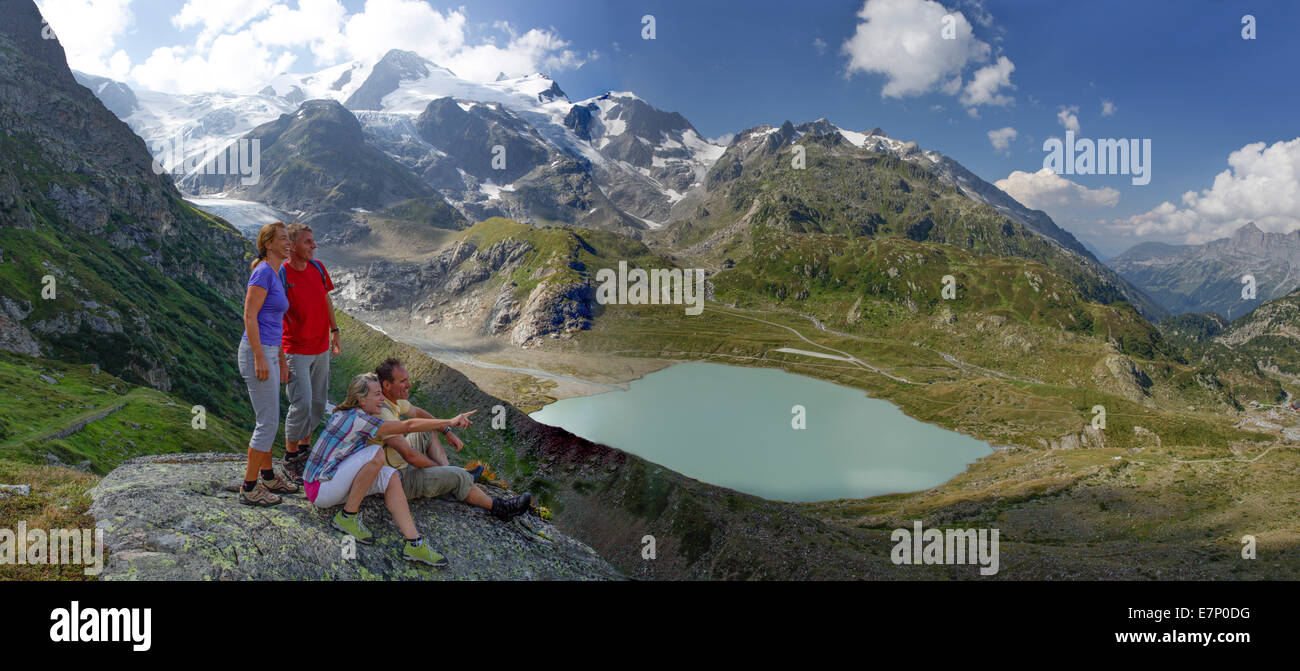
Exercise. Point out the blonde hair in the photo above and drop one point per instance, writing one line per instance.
(357, 389)
(295, 229)
(264, 239)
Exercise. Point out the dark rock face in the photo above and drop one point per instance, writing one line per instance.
(554, 309)
(578, 120)
(469, 136)
(171, 517)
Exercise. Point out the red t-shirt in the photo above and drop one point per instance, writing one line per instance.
(307, 322)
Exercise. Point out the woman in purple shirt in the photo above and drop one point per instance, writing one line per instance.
(264, 308)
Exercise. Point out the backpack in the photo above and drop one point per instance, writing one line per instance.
(284, 280)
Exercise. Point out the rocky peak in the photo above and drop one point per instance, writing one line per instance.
(552, 93)
(387, 75)
(1248, 235)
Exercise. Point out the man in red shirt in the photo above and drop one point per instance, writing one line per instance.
(310, 337)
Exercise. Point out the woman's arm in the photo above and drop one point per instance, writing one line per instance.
(253, 300)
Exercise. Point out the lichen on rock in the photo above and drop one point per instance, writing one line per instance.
(171, 517)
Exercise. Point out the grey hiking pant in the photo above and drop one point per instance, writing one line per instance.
(264, 394)
(309, 383)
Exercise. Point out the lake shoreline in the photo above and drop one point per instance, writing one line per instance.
(890, 451)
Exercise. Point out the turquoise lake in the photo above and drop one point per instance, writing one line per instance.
(731, 426)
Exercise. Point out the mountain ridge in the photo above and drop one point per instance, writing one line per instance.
(1209, 277)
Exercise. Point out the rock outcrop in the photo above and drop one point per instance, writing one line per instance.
(171, 517)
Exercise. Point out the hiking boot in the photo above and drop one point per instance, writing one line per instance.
(279, 485)
(260, 496)
(508, 509)
(353, 527)
(476, 473)
(423, 553)
(294, 465)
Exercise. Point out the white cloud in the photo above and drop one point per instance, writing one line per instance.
(820, 45)
(534, 51)
(1068, 117)
(234, 62)
(404, 24)
(88, 31)
(1045, 190)
(314, 24)
(216, 18)
(1002, 138)
(1262, 185)
(1107, 108)
(903, 40)
(245, 43)
(984, 85)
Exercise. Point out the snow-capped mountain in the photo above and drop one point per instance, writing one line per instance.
(612, 161)
(636, 160)
(652, 157)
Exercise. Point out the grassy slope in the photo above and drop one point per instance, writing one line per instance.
(142, 421)
(191, 324)
(848, 192)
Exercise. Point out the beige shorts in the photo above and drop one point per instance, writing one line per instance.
(436, 481)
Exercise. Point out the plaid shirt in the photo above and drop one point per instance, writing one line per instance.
(346, 432)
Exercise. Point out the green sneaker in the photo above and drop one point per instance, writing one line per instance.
(423, 553)
(353, 526)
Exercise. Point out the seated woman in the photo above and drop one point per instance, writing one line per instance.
(343, 469)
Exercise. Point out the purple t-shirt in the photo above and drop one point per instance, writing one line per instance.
(270, 319)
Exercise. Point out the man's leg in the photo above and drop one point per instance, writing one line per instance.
(435, 481)
(299, 389)
(430, 443)
(320, 388)
(478, 498)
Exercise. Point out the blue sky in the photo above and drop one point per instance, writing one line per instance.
(1178, 73)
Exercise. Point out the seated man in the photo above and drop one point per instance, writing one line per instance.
(431, 475)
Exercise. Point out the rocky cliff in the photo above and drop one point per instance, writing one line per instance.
(100, 259)
(172, 517)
